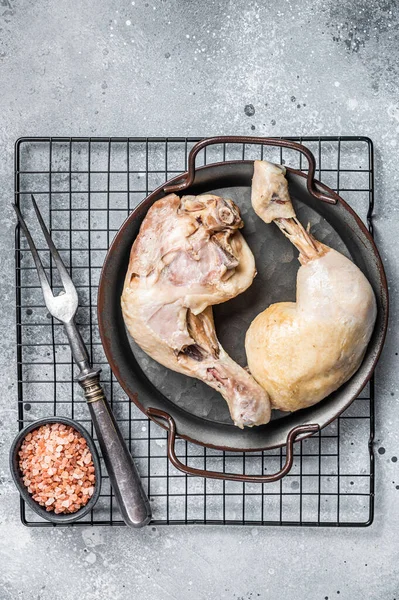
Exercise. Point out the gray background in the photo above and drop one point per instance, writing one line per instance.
(190, 68)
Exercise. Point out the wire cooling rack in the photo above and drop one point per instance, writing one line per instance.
(85, 188)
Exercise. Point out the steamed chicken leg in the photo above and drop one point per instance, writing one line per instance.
(188, 256)
(302, 351)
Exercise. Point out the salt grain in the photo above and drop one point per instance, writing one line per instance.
(57, 468)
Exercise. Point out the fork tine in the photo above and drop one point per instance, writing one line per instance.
(65, 278)
(39, 266)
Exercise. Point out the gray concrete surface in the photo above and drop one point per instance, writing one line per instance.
(190, 68)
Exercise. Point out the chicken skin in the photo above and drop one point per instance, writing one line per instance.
(188, 256)
(300, 352)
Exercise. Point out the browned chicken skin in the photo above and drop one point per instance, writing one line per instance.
(188, 256)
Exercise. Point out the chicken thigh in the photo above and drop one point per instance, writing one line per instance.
(301, 352)
(188, 256)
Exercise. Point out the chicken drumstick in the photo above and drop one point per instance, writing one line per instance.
(188, 256)
(302, 351)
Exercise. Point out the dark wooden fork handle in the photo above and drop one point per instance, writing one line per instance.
(124, 477)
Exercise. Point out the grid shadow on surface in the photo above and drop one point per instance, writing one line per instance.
(85, 188)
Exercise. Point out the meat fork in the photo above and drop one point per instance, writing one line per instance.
(122, 471)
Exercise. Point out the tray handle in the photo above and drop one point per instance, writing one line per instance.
(155, 413)
(238, 139)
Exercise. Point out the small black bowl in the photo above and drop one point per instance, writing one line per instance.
(60, 519)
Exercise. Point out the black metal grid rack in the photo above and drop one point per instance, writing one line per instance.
(85, 188)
